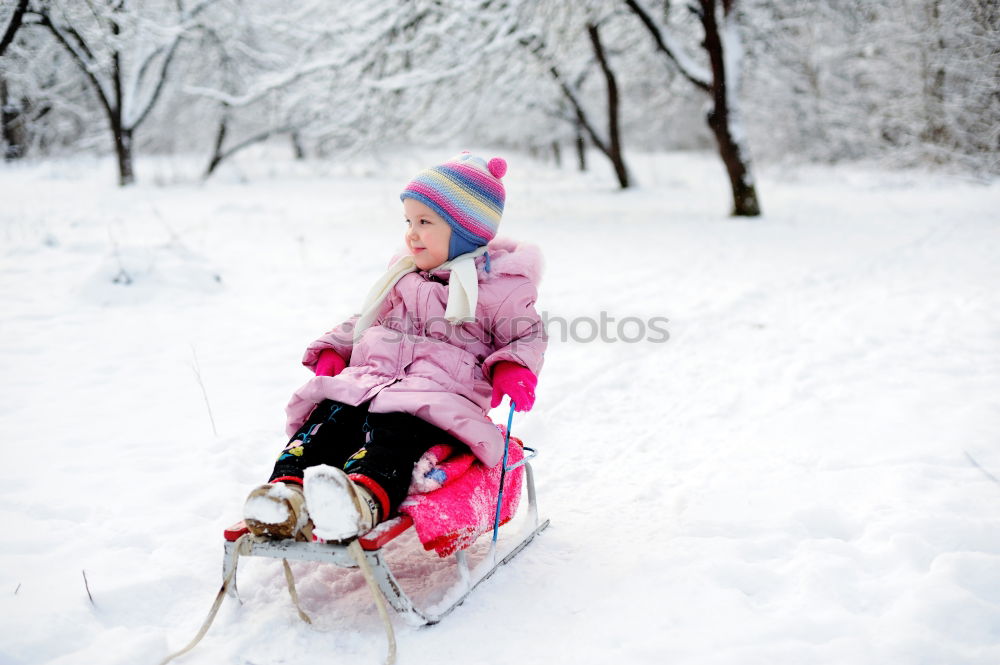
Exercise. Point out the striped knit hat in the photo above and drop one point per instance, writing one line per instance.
(466, 191)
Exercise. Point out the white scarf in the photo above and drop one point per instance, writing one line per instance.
(463, 289)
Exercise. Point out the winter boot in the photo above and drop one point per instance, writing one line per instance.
(340, 509)
(277, 510)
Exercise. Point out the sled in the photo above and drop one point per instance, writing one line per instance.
(365, 553)
(371, 545)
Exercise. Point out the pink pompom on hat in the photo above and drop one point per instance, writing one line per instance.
(466, 191)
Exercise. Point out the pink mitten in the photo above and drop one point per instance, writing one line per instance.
(329, 363)
(515, 381)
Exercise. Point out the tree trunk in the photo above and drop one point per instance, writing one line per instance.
(297, 147)
(122, 134)
(614, 146)
(581, 149)
(745, 202)
(123, 151)
(721, 119)
(123, 143)
(217, 155)
(935, 130)
(12, 126)
(557, 154)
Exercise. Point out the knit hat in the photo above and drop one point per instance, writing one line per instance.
(466, 191)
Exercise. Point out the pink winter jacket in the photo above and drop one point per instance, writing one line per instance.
(412, 360)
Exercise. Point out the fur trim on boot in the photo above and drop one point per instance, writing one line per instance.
(340, 509)
(277, 510)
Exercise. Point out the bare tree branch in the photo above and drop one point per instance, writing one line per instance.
(161, 82)
(79, 58)
(12, 27)
(80, 41)
(696, 78)
(222, 155)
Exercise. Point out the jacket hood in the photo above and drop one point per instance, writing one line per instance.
(510, 257)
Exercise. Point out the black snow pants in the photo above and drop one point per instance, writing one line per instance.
(376, 450)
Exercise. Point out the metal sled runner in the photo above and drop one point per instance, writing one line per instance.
(371, 545)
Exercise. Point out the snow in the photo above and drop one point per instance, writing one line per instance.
(266, 509)
(732, 51)
(330, 503)
(804, 471)
(691, 67)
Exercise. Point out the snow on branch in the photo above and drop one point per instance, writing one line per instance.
(82, 58)
(269, 84)
(666, 43)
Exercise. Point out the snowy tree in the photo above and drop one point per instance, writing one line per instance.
(124, 51)
(45, 102)
(259, 59)
(12, 126)
(906, 81)
(557, 36)
(539, 94)
(611, 146)
(720, 80)
(941, 70)
(344, 76)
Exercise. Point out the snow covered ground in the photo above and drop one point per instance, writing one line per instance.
(806, 471)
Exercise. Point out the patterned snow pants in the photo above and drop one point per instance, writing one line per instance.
(376, 450)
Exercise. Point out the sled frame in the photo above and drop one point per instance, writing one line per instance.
(372, 544)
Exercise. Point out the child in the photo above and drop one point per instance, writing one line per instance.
(447, 332)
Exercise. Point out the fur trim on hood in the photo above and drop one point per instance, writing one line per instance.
(510, 257)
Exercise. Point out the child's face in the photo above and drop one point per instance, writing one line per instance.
(428, 236)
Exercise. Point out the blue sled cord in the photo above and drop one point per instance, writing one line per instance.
(503, 475)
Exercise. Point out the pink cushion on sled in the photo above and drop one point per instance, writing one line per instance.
(453, 516)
